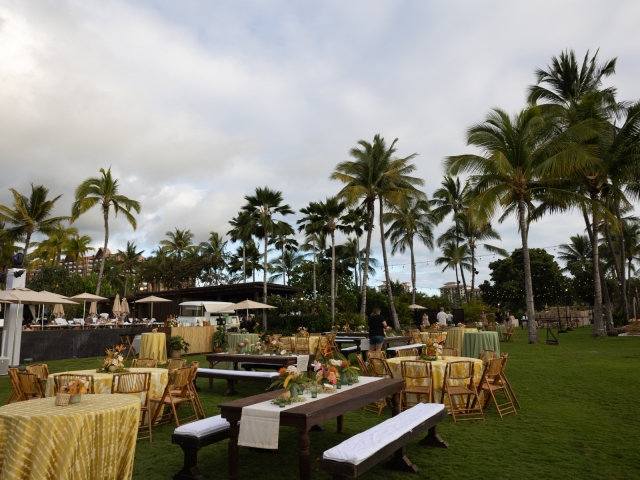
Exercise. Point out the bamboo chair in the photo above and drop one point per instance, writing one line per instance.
(287, 344)
(276, 337)
(179, 382)
(30, 386)
(415, 335)
(62, 378)
(491, 384)
(175, 363)
(486, 355)
(378, 368)
(39, 369)
(416, 373)
(460, 384)
(192, 388)
(144, 363)
(322, 344)
(407, 352)
(450, 352)
(140, 384)
(511, 333)
(381, 354)
(506, 381)
(364, 368)
(302, 345)
(16, 394)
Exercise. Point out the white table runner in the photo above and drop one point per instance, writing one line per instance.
(303, 362)
(260, 423)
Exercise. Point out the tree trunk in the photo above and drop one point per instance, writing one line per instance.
(365, 271)
(464, 283)
(333, 277)
(244, 266)
(413, 272)
(598, 321)
(603, 285)
(528, 286)
(126, 283)
(284, 272)
(358, 266)
(473, 269)
(457, 285)
(105, 212)
(314, 268)
(623, 280)
(26, 246)
(392, 306)
(264, 281)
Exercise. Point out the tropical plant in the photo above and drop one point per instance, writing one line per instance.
(454, 257)
(129, 259)
(103, 191)
(284, 241)
(314, 240)
(355, 221)
(77, 249)
(577, 252)
(177, 343)
(179, 241)
(50, 250)
(285, 265)
(215, 256)
(241, 232)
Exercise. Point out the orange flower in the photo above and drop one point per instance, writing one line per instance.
(345, 363)
(439, 338)
(333, 369)
(282, 371)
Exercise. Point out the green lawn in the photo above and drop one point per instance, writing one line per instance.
(579, 419)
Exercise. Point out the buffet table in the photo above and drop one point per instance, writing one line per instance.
(200, 339)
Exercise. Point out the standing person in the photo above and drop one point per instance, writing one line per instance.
(442, 317)
(483, 318)
(498, 316)
(425, 320)
(377, 325)
(450, 318)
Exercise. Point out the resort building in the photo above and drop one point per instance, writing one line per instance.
(454, 292)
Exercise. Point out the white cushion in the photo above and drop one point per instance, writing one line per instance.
(358, 448)
(203, 427)
(403, 347)
(237, 373)
(61, 321)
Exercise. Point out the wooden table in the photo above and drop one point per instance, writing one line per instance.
(307, 415)
(237, 358)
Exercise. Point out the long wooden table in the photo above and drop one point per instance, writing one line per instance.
(237, 358)
(307, 415)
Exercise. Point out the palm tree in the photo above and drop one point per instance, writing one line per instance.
(50, 250)
(263, 206)
(129, 260)
(373, 173)
(179, 241)
(241, 232)
(506, 174)
(215, 256)
(77, 248)
(349, 254)
(313, 238)
(103, 191)
(30, 215)
(454, 257)
(409, 221)
(576, 252)
(7, 247)
(355, 222)
(285, 265)
(283, 241)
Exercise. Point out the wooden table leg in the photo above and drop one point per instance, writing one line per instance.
(233, 453)
(341, 424)
(433, 439)
(395, 402)
(304, 457)
(211, 379)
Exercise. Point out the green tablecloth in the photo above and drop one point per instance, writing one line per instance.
(475, 341)
(502, 330)
(235, 338)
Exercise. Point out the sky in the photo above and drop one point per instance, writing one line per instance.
(194, 104)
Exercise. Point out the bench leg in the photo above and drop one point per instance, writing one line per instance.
(304, 457)
(433, 439)
(341, 424)
(211, 379)
(232, 452)
(230, 389)
(401, 462)
(190, 468)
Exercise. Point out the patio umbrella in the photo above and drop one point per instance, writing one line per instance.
(117, 307)
(58, 311)
(247, 304)
(124, 306)
(93, 309)
(88, 297)
(414, 306)
(152, 299)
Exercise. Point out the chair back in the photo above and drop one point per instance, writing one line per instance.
(486, 355)
(131, 382)
(30, 385)
(458, 372)
(276, 337)
(39, 369)
(415, 335)
(194, 369)
(331, 339)
(144, 363)
(62, 378)
(175, 363)
(364, 368)
(15, 383)
(381, 354)
(416, 372)
(180, 378)
(323, 343)
(450, 352)
(302, 345)
(407, 352)
(286, 343)
(380, 368)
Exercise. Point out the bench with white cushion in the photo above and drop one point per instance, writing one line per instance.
(231, 376)
(359, 453)
(392, 352)
(194, 436)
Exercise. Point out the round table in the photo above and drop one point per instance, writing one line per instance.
(438, 368)
(502, 331)
(424, 336)
(102, 382)
(476, 341)
(235, 338)
(95, 438)
(154, 345)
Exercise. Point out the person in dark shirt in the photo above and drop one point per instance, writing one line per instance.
(376, 330)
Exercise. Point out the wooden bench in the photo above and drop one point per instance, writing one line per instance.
(192, 437)
(266, 366)
(393, 350)
(231, 376)
(359, 453)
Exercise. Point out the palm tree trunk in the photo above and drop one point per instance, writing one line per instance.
(623, 286)
(333, 277)
(464, 284)
(413, 272)
(365, 272)
(598, 320)
(126, 283)
(392, 306)
(264, 281)
(284, 273)
(473, 269)
(26, 246)
(104, 249)
(244, 260)
(528, 286)
(314, 269)
(357, 268)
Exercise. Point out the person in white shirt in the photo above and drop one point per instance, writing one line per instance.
(442, 317)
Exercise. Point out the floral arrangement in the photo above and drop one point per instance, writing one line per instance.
(436, 326)
(326, 375)
(114, 363)
(432, 349)
(241, 344)
(345, 368)
(303, 331)
(460, 325)
(75, 387)
(360, 328)
(275, 346)
(390, 332)
(171, 322)
(258, 348)
(291, 379)
(479, 325)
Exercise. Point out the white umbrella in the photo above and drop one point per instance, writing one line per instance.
(93, 309)
(117, 308)
(417, 307)
(88, 297)
(58, 311)
(247, 304)
(152, 299)
(124, 306)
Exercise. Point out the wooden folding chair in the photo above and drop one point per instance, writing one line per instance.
(458, 383)
(491, 384)
(505, 356)
(381, 354)
(16, 394)
(174, 363)
(407, 352)
(144, 363)
(178, 382)
(192, 388)
(450, 352)
(302, 345)
(30, 386)
(511, 333)
(379, 367)
(287, 344)
(486, 355)
(364, 368)
(417, 376)
(138, 383)
(415, 335)
(126, 340)
(61, 378)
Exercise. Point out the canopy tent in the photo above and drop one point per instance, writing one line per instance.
(88, 297)
(152, 299)
(249, 305)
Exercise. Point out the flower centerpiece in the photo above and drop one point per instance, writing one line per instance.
(326, 376)
(303, 331)
(241, 344)
(75, 389)
(432, 349)
(171, 322)
(346, 370)
(390, 332)
(290, 379)
(460, 325)
(114, 363)
(360, 328)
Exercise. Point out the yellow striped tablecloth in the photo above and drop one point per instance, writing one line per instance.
(424, 336)
(154, 345)
(313, 343)
(94, 439)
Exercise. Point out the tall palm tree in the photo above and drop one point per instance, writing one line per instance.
(375, 171)
(576, 252)
(129, 260)
(179, 241)
(215, 256)
(413, 220)
(7, 247)
(506, 175)
(356, 222)
(77, 248)
(241, 232)
(285, 265)
(263, 206)
(50, 250)
(31, 214)
(103, 191)
(282, 241)
(454, 257)
(314, 242)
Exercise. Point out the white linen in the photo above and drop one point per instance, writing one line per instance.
(358, 448)
(221, 372)
(364, 344)
(303, 362)
(203, 427)
(404, 347)
(260, 423)
(136, 344)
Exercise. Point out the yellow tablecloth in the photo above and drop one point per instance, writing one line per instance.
(424, 336)
(200, 339)
(154, 345)
(313, 343)
(102, 382)
(455, 337)
(95, 439)
(438, 368)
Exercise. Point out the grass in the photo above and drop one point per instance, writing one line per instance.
(579, 419)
